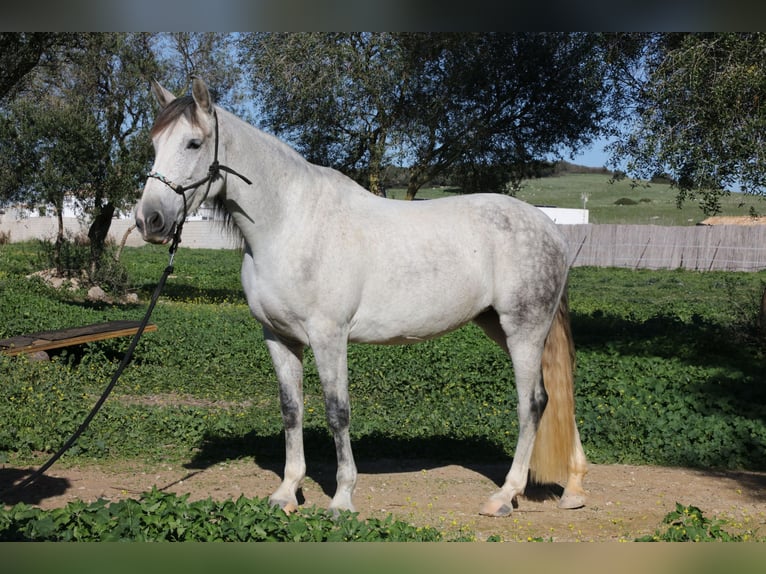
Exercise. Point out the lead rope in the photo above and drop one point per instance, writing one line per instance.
(213, 172)
(121, 367)
(125, 360)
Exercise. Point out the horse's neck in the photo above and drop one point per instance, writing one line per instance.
(285, 185)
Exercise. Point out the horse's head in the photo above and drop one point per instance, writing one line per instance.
(184, 138)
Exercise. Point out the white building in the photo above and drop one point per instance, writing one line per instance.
(565, 216)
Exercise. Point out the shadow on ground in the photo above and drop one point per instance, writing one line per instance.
(44, 487)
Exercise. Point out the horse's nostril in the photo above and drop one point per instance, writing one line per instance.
(155, 222)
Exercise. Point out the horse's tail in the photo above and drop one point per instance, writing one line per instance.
(556, 434)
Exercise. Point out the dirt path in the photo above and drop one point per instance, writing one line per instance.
(624, 502)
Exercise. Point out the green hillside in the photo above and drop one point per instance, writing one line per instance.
(652, 204)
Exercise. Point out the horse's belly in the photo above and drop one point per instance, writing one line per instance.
(389, 320)
(403, 336)
(414, 292)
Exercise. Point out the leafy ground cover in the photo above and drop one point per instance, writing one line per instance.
(162, 517)
(689, 524)
(670, 372)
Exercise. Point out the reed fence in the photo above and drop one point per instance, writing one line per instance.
(703, 248)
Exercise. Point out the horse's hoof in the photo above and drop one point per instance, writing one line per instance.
(496, 507)
(286, 505)
(572, 501)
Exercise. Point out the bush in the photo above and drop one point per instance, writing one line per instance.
(76, 263)
(662, 178)
(73, 255)
(111, 275)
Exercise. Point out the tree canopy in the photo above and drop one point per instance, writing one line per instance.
(488, 107)
(699, 114)
(20, 53)
(335, 96)
(474, 103)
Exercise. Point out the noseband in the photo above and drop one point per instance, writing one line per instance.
(213, 173)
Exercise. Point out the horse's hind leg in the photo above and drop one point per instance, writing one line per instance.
(530, 385)
(526, 355)
(532, 399)
(574, 494)
(288, 363)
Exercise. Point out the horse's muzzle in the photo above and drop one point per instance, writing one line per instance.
(154, 227)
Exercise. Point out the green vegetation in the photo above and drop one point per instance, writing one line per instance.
(654, 203)
(670, 372)
(161, 517)
(689, 524)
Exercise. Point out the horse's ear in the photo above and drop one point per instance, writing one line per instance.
(201, 94)
(163, 96)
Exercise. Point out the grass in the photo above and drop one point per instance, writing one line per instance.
(654, 203)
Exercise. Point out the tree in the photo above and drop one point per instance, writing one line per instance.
(80, 128)
(484, 105)
(78, 115)
(334, 95)
(47, 152)
(700, 114)
(490, 106)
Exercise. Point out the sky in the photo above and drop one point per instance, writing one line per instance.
(593, 156)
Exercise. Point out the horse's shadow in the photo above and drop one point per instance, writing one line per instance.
(374, 454)
(42, 488)
(377, 455)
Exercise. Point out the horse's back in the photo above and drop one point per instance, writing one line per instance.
(488, 229)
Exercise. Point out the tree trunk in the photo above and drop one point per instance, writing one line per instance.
(374, 183)
(59, 241)
(762, 314)
(412, 189)
(376, 149)
(416, 181)
(97, 234)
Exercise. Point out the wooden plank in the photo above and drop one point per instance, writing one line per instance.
(46, 340)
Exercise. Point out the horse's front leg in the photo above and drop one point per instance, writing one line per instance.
(288, 363)
(332, 365)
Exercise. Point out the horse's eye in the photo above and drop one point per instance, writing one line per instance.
(194, 144)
